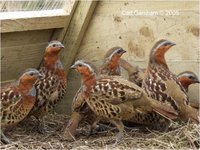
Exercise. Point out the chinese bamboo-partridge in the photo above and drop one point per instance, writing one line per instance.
(80, 109)
(161, 84)
(52, 88)
(114, 98)
(18, 100)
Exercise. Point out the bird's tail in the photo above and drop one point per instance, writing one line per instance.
(127, 66)
(164, 110)
(148, 104)
(70, 128)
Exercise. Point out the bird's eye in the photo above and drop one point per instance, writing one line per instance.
(119, 51)
(190, 77)
(80, 65)
(31, 74)
(165, 44)
(54, 45)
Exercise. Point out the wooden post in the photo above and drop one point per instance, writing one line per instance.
(75, 32)
(72, 36)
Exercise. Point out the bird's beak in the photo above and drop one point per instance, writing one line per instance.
(73, 66)
(198, 81)
(62, 46)
(123, 51)
(172, 43)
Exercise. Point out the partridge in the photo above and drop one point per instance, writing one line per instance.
(80, 109)
(18, 100)
(52, 88)
(161, 84)
(114, 98)
(135, 73)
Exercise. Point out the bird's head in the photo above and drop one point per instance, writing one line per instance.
(53, 48)
(187, 78)
(30, 76)
(159, 49)
(115, 53)
(84, 68)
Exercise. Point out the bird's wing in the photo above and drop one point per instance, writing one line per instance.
(176, 92)
(10, 97)
(78, 100)
(116, 89)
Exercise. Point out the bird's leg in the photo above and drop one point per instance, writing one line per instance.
(4, 139)
(120, 127)
(69, 129)
(93, 126)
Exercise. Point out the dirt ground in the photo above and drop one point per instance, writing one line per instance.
(25, 136)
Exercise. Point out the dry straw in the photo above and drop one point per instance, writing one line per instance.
(180, 136)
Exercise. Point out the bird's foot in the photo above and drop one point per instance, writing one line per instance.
(119, 137)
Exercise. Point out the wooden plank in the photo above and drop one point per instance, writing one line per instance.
(76, 30)
(16, 59)
(33, 21)
(73, 38)
(25, 37)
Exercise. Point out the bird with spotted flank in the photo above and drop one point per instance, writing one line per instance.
(80, 109)
(113, 98)
(52, 88)
(18, 100)
(161, 84)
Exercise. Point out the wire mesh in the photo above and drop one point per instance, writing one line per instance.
(31, 5)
